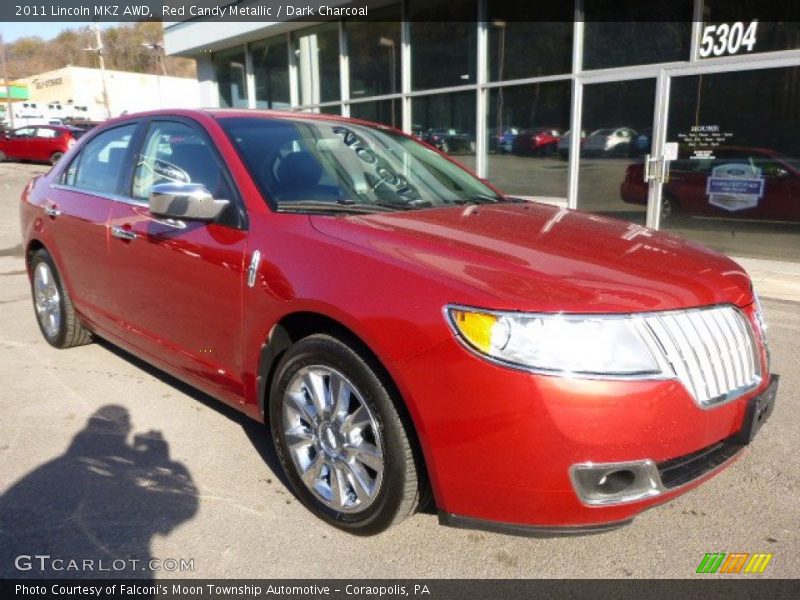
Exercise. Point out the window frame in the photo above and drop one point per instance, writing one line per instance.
(237, 217)
(80, 154)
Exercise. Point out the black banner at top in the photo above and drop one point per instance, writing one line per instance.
(416, 10)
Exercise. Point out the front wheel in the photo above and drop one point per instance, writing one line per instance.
(54, 311)
(340, 438)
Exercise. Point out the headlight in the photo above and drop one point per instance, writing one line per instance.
(583, 345)
(759, 314)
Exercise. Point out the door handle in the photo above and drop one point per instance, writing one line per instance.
(52, 211)
(123, 234)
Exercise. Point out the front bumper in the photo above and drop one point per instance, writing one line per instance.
(499, 444)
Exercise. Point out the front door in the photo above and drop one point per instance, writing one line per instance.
(616, 140)
(735, 186)
(179, 283)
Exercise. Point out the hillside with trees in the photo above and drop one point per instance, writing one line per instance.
(123, 51)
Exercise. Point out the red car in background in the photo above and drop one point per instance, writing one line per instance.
(44, 143)
(404, 330)
(543, 140)
(738, 183)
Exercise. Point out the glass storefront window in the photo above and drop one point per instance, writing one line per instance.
(388, 112)
(735, 27)
(736, 184)
(632, 32)
(447, 121)
(335, 109)
(525, 128)
(519, 48)
(229, 71)
(271, 72)
(373, 48)
(618, 127)
(316, 51)
(443, 54)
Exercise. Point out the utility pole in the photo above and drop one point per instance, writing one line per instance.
(9, 110)
(99, 50)
(160, 66)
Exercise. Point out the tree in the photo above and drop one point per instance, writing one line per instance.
(124, 51)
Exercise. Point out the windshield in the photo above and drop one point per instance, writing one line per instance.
(297, 162)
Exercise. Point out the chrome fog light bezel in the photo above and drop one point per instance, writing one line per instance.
(646, 483)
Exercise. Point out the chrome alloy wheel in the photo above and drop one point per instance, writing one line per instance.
(47, 299)
(333, 438)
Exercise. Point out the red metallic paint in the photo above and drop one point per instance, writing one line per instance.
(497, 442)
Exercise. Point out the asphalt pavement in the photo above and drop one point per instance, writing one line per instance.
(195, 480)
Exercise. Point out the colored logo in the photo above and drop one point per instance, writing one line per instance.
(735, 562)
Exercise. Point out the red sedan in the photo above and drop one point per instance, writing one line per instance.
(537, 141)
(403, 329)
(736, 183)
(45, 143)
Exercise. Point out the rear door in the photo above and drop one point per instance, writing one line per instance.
(19, 143)
(179, 282)
(76, 210)
(43, 143)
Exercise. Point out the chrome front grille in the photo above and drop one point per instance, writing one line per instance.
(712, 351)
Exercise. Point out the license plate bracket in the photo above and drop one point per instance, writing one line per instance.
(759, 409)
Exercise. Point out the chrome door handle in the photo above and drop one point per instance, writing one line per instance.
(52, 211)
(123, 234)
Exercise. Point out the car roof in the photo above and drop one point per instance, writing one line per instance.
(217, 113)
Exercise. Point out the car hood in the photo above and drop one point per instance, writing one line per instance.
(538, 257)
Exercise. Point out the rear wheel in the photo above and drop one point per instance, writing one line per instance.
(340, 439)
(668, 208)
(2, 156)
(55, 157)
(54, 311)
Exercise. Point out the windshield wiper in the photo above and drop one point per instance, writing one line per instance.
(483, 199)
(336, 206)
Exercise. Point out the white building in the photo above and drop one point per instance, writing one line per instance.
(77, 92)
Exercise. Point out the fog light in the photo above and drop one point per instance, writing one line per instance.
(617, 481)
(598, 484)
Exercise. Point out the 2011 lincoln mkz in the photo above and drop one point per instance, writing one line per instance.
(408, 333)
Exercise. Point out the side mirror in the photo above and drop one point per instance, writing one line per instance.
(185, 201)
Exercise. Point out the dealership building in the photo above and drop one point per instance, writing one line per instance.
(682, 115)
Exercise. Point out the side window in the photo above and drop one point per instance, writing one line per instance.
(101, 161)
(177, 153)
(25, 132)
(47, 133)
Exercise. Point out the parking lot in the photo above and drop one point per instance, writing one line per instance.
(219, 499)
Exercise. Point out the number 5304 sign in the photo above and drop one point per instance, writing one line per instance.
(728, 38)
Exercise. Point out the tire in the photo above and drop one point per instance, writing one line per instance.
(445, 147)
(55, 157)
(669, 208)
(3, 157)
(52, 305)
(373, 495)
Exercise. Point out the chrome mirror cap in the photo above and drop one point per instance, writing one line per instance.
(185, 201)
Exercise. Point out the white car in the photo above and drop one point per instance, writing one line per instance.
(563, 143)
(609, 142)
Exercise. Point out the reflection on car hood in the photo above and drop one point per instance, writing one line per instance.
(541, 258)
